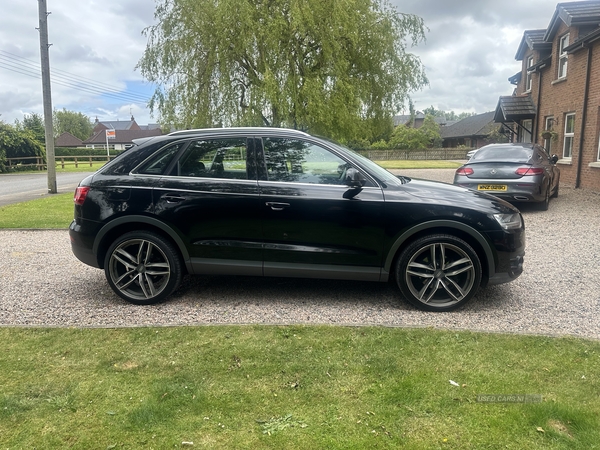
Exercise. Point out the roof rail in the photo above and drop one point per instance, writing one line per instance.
(239, 129)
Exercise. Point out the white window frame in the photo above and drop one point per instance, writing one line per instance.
(526, 129)
(563, 57)
(528, 74)
(569, 136)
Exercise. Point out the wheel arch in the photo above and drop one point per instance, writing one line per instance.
(109, 232)
(465, 232)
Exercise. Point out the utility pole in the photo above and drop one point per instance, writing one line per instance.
(47, 93)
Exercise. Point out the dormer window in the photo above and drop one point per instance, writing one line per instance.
(562, 56)
(529, 75)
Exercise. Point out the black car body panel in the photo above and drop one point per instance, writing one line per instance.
(269, 202)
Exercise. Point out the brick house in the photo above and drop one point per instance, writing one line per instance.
(125, 132)
(556, 101)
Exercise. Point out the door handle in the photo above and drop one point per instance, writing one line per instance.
(170, 198)
(275, 206)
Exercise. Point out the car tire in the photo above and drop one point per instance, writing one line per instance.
(438, 272)
(543, 205)
(555, 194)
(143, 268)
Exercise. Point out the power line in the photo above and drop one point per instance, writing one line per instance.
(29, 68)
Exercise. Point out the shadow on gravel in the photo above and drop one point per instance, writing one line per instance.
(290, 292)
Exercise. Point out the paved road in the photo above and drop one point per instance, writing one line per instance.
(15, 188)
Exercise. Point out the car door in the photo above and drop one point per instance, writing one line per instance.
(212, 201)
(313, 224)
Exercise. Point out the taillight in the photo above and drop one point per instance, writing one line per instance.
(80, 195)
(464, 171)
(527, 171)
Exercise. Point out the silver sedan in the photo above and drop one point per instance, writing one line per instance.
(516, 172)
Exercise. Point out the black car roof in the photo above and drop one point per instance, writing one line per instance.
(232, 131)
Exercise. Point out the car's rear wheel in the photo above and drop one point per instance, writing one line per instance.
(143, 267)
(543, 205)
(438, 272)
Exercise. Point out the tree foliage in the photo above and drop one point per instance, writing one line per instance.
(409, 138)
(76, 123)
(18, 143)
(35, 123)
(449, 115)
(338, 68)
(431, 130)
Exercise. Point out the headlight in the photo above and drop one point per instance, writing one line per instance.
(509, 221)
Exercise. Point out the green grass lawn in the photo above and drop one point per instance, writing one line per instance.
(419, 164)
(53, 211)
(294, 387)
(81, 166)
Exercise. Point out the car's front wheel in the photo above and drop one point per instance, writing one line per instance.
(142, 267)
(438, 272)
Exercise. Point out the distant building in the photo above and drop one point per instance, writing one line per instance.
(68, 140)
(125, 132)
(471, 131)
(419, 118)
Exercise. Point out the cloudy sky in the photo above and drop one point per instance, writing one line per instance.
(468, 56)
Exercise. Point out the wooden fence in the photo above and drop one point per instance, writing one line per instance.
(418, 155)
(61, 161)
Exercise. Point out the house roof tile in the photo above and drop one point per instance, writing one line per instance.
(573, 14)
(514, 107)
(478, 125)
(532, 39)
(67, 140)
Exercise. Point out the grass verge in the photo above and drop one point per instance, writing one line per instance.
(294, 387)
(419, 164)
(53, 211)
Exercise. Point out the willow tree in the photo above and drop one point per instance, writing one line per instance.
(334, 67)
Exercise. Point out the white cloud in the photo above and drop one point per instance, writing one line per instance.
(470, 49)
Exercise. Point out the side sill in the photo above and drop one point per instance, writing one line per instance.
(328, 272)
(202, 266)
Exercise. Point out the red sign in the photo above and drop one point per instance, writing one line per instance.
(111, 134)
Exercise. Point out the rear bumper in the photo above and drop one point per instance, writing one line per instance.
(515, 192)
(81, 245)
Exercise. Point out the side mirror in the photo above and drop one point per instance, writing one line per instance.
(553, 159)
(354, 179)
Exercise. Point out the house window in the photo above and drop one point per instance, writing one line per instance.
(569, 135)
(562, 56)
(526, 130)
(529, 75)
(548, 141)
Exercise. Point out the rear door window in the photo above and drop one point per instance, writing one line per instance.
(214, 158)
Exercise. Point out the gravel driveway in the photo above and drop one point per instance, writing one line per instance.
(42, 283)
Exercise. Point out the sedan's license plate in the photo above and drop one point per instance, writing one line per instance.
(491, 187)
